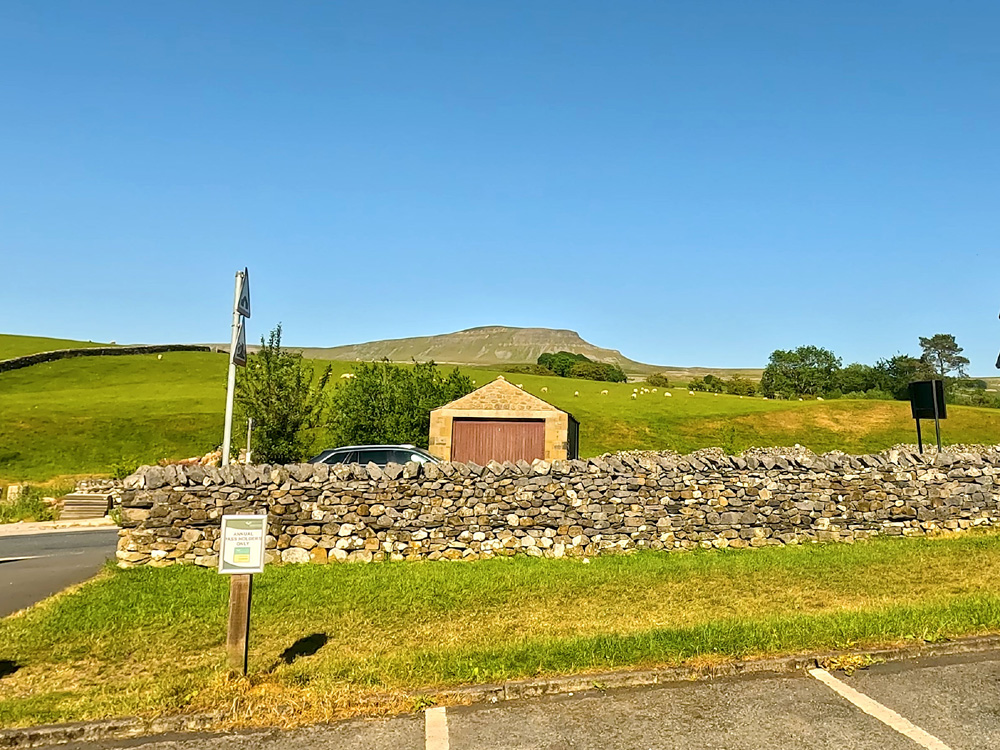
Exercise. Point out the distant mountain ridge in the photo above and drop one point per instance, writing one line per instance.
(487, 346)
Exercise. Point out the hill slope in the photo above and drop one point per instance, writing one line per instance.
(13, 345)
(80, 416)
(487, 346)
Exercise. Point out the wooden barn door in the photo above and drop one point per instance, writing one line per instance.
(483, 440)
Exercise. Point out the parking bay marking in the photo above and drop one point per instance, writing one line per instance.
(435, 729)
(873, 708)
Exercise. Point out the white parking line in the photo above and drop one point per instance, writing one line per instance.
(25, 557)
(873, 708)
(435, 729)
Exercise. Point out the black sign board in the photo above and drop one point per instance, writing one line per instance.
(927, 402)
(923, 394)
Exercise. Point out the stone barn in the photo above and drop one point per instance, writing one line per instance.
(501, 422)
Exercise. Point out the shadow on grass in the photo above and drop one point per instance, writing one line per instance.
(8, 667)
(306, 646)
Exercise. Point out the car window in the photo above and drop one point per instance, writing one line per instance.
(418, 458)
(379, 456)
(342, 457)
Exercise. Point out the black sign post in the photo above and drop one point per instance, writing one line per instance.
(927, 402)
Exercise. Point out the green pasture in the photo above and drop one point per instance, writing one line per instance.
(81, 416)
(369, 635)
(12, 345)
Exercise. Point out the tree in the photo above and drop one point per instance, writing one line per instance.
(740, 386)
(603, 371)
(561, 362)
(808, 370)
(387, 403)
(895, 374)
(283, 395)
(858, 378)
(944, 355)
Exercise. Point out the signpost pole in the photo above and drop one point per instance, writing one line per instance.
(238, 634)
(920, 442)
(249, 433)
(231, 389)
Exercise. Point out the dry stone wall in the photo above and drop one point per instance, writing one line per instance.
(321, 513)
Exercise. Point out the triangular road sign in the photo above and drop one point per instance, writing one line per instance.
(239, 354)
(243, 305)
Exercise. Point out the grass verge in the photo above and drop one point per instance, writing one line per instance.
(339, 640)
(30, 505)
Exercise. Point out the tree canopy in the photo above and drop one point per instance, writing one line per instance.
(285, 397)
(387, 403)
(942, 353)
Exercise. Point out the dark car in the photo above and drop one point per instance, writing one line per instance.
(376, 454)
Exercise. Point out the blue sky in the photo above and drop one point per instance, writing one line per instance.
(694, 183)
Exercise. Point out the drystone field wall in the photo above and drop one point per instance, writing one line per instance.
(453, 511)
(27, 360)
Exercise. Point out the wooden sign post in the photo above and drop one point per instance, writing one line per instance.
(240, 556)
(238, 634)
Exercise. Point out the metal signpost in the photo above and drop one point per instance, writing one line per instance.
(927, 402)
(237, 353)
(240, 556)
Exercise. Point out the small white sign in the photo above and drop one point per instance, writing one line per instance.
(243, 540)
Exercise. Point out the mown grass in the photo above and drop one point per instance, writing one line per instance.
(83, 416)
(12, 345)
(151, 640)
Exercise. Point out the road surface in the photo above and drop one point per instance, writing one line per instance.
(34, 566)
(950, 703)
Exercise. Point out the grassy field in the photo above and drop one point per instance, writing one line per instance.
(392, 628)
(81, 416)
(12, 345)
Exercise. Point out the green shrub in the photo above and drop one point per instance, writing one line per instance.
(29, 506)
(527, 370)
(602, 371)
(658, 380)
(124, 467)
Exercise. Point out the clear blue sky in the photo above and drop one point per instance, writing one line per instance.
(691, 182)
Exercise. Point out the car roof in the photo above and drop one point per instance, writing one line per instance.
(368, 447)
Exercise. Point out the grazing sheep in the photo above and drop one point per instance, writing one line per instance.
(347, 375)
(635, 390)
(690, 393)
(715, 394)
(819, 398)
(545, 389)
(520, 385)
(635, 396)
(654, 390)
(667, 393)
(576, 393)
(604, 393)
(800, 399)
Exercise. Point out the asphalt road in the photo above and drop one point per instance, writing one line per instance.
(950, 704)
(34, 566)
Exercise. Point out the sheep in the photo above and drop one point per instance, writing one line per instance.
(667, 393)
(545, 389)
(349, 375)
(520, 385)
(690, 393)
(820, 398)
(159, 356)
(604, 392)
(654, 390)
(715, 394)
(800, 399)
(576, 393)
(635, 396)
(635, 390)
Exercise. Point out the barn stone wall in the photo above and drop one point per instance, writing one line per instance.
(321, 513)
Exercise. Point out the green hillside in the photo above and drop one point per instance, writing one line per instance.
(12, 345)
(80, 416)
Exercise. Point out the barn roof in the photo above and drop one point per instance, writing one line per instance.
(499, 395)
